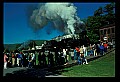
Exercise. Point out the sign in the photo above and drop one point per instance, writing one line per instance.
(105, 38)
(38, 47)
(33, 48)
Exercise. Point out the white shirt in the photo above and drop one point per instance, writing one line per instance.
(33, 57)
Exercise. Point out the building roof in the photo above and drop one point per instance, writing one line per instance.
(107, 26)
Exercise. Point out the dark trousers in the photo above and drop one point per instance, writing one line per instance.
(105, 49)
(101, 51)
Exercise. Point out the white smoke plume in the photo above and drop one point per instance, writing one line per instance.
(63, 16)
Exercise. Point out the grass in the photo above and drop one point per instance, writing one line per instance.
(102, 67)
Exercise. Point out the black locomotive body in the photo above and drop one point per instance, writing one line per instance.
(67, 41)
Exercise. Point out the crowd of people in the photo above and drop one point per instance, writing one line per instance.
(60, 57)
(80, 53)
(19, 59)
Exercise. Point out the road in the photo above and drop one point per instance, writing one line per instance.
(22, 72)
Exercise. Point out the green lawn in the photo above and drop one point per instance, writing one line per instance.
(102, 67)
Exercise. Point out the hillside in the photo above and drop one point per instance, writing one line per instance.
(12, 47)
(39, 42)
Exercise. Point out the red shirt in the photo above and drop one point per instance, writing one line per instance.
(77, 49)
(13, 55)
(105, 45)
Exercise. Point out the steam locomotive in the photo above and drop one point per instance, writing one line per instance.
(69, 41)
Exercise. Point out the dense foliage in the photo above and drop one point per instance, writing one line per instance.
(102, 16)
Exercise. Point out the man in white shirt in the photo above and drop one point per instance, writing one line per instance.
(33, 58)
(85, 51)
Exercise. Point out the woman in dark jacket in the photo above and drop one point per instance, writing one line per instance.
(30, 61)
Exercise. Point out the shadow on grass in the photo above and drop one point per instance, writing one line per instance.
(37, 72)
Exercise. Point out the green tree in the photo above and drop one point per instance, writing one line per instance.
(102, 16)
(109, 8)
(6, 50)
(17, 46)
(109, 11)
(93, 36)
(32, 44)
(98, 12)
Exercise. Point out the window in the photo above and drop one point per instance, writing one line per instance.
(108, 31)
(105, 31)
(113, 30)
(101, 32)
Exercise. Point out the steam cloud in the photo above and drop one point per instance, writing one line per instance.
(62, 15)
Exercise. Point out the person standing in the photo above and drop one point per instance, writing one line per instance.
(19, 59)
(85, 51)
(83, 59)
(25, 61)
(101, 49)
(94, 50)
(72, 55)
(75, 54)
(33, 59)
(81, 54)
(105, 46)
(43, 56)
(97, 49)
(30, 61)
(78, 55)
(39, 58)
(49, 64)
(91, 50)
(13, 59)
(5, 61)
(81, 51)
(111, 45)
(65, 53)
(50, 59)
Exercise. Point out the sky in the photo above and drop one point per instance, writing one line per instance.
(17, 30)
